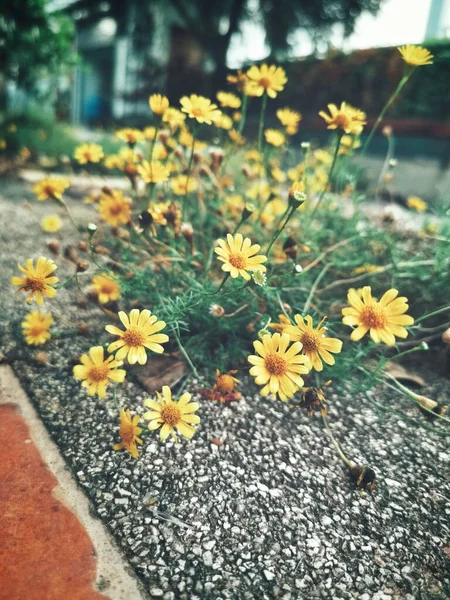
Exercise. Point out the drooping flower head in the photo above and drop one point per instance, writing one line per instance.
(37, 280)
(107, 288)
(97, 373)
(384, 319)
(416, 56)
(346, 118)
(51, 188)
(88, 153)
(141, 332)
(115, 208)
(200, 108)
(158, 104)
(316, 346)
(167, 414)
(239, 256)
(36, 327)
(129, 433)
(279, 365)
(267, 79)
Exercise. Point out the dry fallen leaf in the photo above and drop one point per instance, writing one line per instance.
(398, 371)
(165, 369)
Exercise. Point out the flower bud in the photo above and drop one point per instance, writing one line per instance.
(259, 278)
(54, 246)
(249, 209)
(83, 246)
(82, 266)
(446, 336)
(92, 228)
(216, 310)
(305, 145)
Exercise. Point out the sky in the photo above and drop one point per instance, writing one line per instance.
(398, 22)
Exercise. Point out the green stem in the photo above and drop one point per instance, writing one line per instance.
(224, 280)
(277, 234)
(154, 141)
(261, 121)
(385, 109)
(243, 113)
(191, 159)
(330, 175)
(184, 353)
(432, 314)
(336, 445)
(69, 214)
(315, 286)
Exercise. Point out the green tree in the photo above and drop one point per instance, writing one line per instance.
(33, 42)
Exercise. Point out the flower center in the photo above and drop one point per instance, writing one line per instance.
(237, 260)
(197, 111)
(99, 372)
(133, 337)
(116, 209)
(341, 120)
(275, 365)
(35, 284)
(37, 330)
(264, 82)
(170, 414)
(107, 287)
(225, 384)
(49, 190)
(373, 317)
(310, 341)
(127, 433)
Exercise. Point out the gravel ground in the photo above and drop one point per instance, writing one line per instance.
(271, 513)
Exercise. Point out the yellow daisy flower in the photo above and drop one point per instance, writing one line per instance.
(200, 108)
(253, 155)
(182, 185)
(224, 122)
(36, 327)
(236, 137)
(153, 171)
(158, 104)
(348, 119)
(37, 280)
(114, 161)
(88, 153)
(240, 80)
(417, 204)
(279, 366)
(316, 346)
(228, 100)
(129, 433)
(169, 415)
(289, 118)
(130, 136)
(225, 382)
(115, 209)
(416, 56)
(385, 319)
(274, 137)
(165, 213)
(239, 256)
(174, 117)
(270, 79)
(141, 332)
(283, 322)
(348, 144)
(51, 224)
(51, 188)
(97, 372)
(107, 288)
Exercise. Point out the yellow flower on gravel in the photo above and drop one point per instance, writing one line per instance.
(141, 332)
(228, 100)
(416, 56)
(107, 288)
(200, 108)
(115, 209)
(129, 135)
(316, 346)
(240, 256)
(279, 366)
(169, 415)
(182, 185)
(289, 118)
(417, 204)
(97, 372)
(346, 118)
(36, 327)
(270, 79)
(88, 153)
(129, 433)
(274, 137)
(174, 117)
(51, 224)
(51, 188)
(158, 104)
(385, 319)
(37, 280)
(153, 171)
